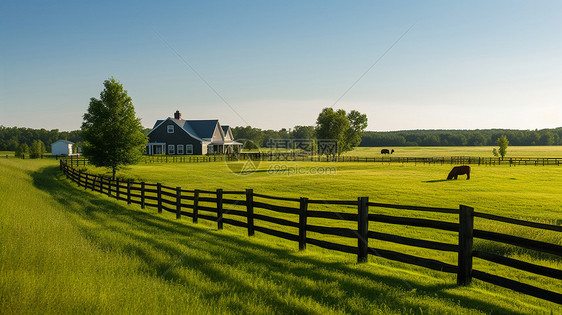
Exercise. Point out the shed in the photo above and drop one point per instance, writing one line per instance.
(61, 147)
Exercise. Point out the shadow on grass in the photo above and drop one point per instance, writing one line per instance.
(238, 265)
(434, 181)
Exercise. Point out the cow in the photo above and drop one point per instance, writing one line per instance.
(386, 151)
(459, 170)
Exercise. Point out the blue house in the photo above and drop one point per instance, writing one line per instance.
(177, 136)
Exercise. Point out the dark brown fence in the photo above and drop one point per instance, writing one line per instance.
(459, 160)
(513, 161)
(295, 215)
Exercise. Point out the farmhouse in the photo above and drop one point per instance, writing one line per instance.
(177, 136)
(61, 147)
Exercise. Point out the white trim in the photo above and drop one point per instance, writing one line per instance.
(178, 147)
(170, 130)
(171, 149)
(189, 149)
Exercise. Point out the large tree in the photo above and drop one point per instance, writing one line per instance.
(111, 131)
(344, 128)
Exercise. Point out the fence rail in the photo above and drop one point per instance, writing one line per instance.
(464, 160)
(210, 206)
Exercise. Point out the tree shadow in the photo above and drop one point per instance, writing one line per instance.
(173, 248)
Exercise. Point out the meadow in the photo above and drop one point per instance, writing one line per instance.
(485, 151)
(70, 250)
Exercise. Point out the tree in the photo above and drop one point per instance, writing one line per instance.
(357, 125)
(346, 129)
(22, 149)
(37, 149)
(502, 143)
(111, 131)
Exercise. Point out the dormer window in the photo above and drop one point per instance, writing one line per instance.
(170, 128)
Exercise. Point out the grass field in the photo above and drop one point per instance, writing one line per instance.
(68, 250)
(512, 151)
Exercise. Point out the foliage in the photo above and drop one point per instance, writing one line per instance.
(37, 149)
(495, 152)
(502, 143)
(11, 137)
(346, 128)
(461, 137)
(22, 149)
(112, 133)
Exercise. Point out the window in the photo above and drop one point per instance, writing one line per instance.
(171, 148)
(170, 128)
(180, 148)
(189, 149)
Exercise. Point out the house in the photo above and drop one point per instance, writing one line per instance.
(177, 136)
(61, 147)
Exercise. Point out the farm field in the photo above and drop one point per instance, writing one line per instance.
(512, 151)
(127, 252)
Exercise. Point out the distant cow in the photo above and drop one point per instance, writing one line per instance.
(386, 151)
(459, 170)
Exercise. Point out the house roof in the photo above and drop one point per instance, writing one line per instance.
(63, 141)
(199, 129)
(203, 128)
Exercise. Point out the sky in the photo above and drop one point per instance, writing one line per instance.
(277, 64)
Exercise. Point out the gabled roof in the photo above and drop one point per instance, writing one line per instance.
(198, 129)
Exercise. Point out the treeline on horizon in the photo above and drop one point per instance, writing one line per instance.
(484, 137)
(12, 137)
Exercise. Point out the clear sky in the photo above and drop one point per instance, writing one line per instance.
(276, 64)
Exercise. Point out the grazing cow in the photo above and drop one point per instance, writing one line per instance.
(459, 170)
(385, 151)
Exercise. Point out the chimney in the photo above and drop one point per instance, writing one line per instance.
(177, 114)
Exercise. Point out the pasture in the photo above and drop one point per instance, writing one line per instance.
(69, 250)
(512, 151)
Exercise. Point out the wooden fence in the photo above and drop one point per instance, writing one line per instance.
(213, 205)
(459, 160)
(455, 160)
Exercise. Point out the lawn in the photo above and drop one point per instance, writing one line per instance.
(512, 151)
(69, 250)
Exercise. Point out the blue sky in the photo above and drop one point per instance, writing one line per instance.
(272, 65)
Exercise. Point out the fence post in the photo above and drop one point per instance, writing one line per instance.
(466, 227)
(363, 229)
(79, 178)
(142, 195)
(117, 189)
(250, 211)
(101, 184)
(128, 191)
(159, 196)
(195, 205)
(178, 202)
(86, 182)
(219, 209)
(302, 222)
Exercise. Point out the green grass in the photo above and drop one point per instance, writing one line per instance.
(512, 151)
(66, 250)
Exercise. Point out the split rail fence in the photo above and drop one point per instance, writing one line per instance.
(213, 205)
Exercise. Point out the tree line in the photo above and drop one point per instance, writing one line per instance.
(12, 137)
(484, 137)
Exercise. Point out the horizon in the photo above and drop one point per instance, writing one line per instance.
(408, 66)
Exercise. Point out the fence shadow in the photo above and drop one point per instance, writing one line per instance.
(222, 258)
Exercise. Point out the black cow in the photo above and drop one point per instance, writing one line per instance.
(459, 170)
(386, 151)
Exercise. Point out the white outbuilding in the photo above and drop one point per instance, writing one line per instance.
(61, 147)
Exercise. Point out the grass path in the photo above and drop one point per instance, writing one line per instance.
(66, 250)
